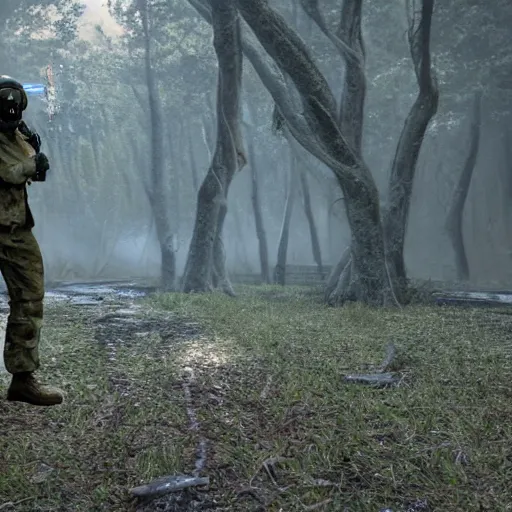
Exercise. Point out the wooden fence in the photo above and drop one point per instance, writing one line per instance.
(295, 275)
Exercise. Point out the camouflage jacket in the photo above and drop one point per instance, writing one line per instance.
(17, 165)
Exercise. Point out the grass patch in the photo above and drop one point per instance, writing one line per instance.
(120, 425)
(440, 441)
(284, 431)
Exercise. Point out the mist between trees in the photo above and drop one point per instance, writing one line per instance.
(234, 137)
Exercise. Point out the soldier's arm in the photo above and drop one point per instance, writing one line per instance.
(19, 173)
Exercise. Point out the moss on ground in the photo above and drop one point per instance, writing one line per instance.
(284, 431)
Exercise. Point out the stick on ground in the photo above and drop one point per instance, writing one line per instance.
(168, 484)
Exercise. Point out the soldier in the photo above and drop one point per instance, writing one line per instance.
(21, 264)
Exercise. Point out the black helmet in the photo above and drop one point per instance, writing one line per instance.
(13, 101)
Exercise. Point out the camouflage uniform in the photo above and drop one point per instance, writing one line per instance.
(21, 263)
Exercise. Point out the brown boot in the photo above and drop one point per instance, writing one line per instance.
(25, 388)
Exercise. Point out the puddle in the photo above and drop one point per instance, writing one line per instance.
(86, 295)
(94, 294)
(125, 289)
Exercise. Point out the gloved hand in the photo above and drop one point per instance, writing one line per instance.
(42, 167)
(35, 141)
(32, 137)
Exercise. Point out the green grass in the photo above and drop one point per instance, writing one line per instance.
(284, 431)
(117, 428)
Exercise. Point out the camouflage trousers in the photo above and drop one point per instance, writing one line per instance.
(21, 265)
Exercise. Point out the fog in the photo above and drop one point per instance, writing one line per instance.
(93, 216)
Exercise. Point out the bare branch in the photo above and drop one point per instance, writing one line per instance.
(280, 41)
(274, 81)
(349, 28)
(312, 9)
(419, 42)
(202, 7)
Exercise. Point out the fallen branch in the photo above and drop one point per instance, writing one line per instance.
(168, 484)
(269, 465)
(12, 504)
(380, 379)
(320, 482)
(252, 492)
(319, 505)
(390, 356)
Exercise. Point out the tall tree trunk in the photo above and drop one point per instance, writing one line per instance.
(332, 199)
(507, 167)
(160, 185)
(409, 145)
(256, 199)
(506, 178)
(282, 250)
(334, 277)
(176, 159)
(315, 242)
(258, 216)
(241, 248)
(205, 247)
(349, 43)
(220, 276)
(454, 221)
(193, 161)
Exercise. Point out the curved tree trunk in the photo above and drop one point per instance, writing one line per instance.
(228, 156)
(315, 124)
(315, 242)
(409, 145)
(349, 42)
(177, 160)
(241, 250)
(334, 276)
(159, 184)
(332, 199)
(258, 220)
(454, 221)
(220, 276)
(256, 201)
(282, 250)
(318, 131)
